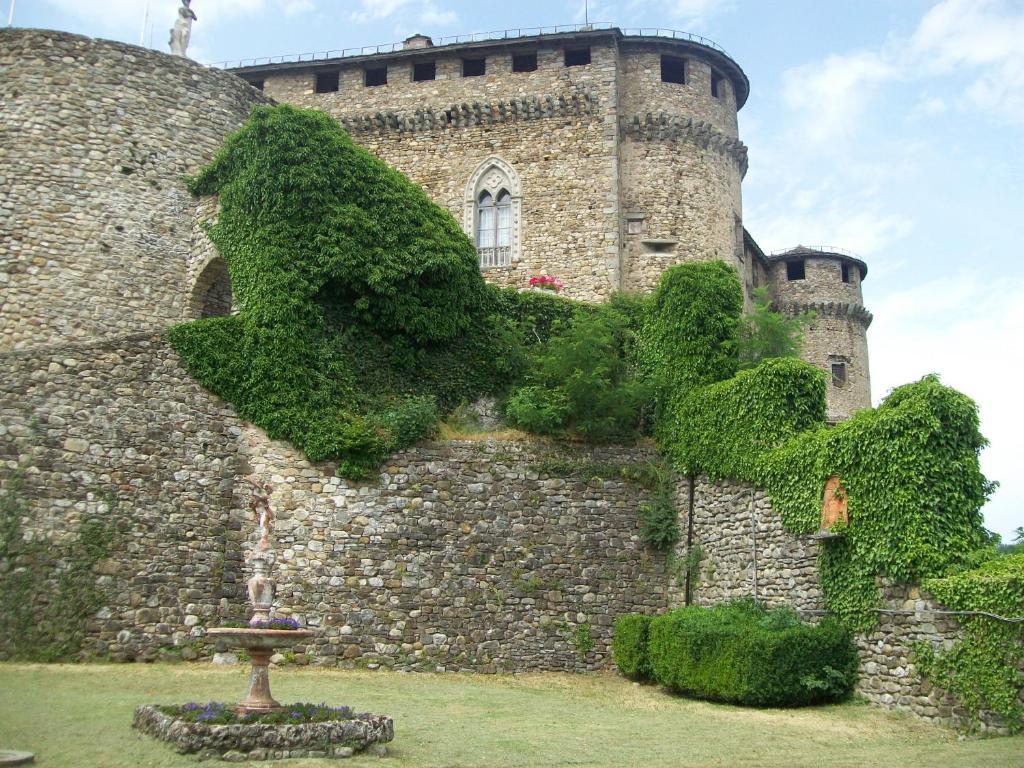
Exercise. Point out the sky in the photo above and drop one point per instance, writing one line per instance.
(892, 129)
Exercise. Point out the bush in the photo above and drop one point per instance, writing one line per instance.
(659, 518)
(765, 333)
(581, 383)
(739, 653)
(629, 646)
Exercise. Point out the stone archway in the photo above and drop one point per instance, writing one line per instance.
(211, 294)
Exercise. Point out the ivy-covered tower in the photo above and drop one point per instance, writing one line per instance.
(827, 281)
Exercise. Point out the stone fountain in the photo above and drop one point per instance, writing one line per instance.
(261, 729)
(258, 639)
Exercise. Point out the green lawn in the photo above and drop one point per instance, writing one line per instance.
(80, 715)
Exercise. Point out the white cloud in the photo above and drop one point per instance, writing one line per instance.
(962, 327)
(833, 95)
(125, 17)
(982, 37)
(296, 7)
(423, 11)
(978, 40)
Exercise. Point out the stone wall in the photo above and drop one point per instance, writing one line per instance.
(744, 550)
(95, 220)
(120, 418)
(463, 555)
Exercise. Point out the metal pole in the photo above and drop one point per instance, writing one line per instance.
(753, 539)
(145, 23)
(10, 15)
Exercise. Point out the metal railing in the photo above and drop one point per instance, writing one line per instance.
(819, 249)
(474, 37)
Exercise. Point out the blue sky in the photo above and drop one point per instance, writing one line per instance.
(893, 129)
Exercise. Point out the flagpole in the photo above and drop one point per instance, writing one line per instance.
(10, 15)
(145, 23)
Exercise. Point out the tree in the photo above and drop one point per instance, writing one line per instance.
(766, 333)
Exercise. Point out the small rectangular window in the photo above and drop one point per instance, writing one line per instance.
(326, 82)
(577, 57)
(716, 85)
(424, 71)
(257, 84)
(838, 374)
(375, 76)
(795, 270)
(474, 67)
(846, 273)
(673, 70)
(524, 62)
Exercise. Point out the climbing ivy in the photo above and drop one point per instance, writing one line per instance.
(914, 490)
(689, 335)
(725, 428)
(48, 593)
(361, 306)
(983, 671)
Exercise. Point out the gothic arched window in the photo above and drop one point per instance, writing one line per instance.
(494, 229)
(493, 205)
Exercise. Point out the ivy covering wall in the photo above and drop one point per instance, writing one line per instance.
(361, 306)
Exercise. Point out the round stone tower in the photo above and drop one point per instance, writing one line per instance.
(827, 281)
(681, 160)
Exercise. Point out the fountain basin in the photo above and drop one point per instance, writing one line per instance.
(253, 639)
(260, 645)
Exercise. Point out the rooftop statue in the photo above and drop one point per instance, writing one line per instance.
(182, 29)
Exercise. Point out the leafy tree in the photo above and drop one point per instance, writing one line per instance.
(581, 383)
(765, 332)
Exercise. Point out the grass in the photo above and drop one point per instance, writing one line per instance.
(79, 715)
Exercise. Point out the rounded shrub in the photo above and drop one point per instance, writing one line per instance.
(742, 654)
(629, 646)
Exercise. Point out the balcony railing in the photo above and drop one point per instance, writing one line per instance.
(474, 37)
(501, 256)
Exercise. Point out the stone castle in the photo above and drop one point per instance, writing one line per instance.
(594, 155)
(618, 153)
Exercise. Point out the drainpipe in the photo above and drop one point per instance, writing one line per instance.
(688, 597)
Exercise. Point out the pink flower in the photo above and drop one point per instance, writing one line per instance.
(547, 282)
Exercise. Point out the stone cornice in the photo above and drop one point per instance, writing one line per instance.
(844, 309)
(466, 115)
(663, 126)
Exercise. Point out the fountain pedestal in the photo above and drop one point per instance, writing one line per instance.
(260, 644)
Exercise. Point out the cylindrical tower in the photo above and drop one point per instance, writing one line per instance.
(827, 281)
(681, 158)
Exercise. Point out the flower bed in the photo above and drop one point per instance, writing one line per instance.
(216, 713)
(275, 623)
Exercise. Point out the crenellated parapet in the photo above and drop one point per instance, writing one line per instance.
(470, 114)
(666, 127)
(839, 309)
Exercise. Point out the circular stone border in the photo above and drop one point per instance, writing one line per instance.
(265, 741)
(10, 757)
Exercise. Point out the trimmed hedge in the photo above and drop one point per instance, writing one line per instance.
(629, 645)
(739, 653)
